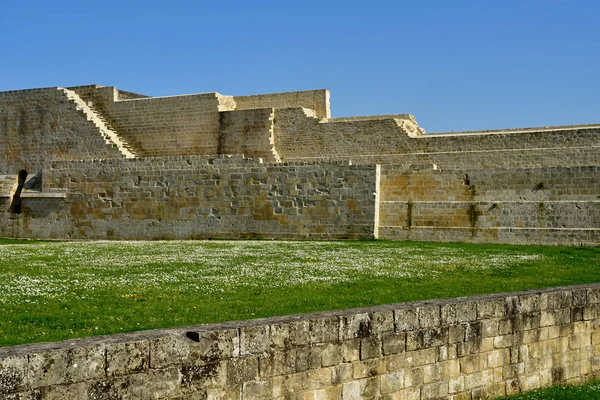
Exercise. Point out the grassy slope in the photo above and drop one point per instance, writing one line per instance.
(69, 290)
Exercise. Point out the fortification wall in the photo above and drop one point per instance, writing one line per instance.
(484, 159)
(248, 132)
(543, 205)
(44, 124)
(471, 347)
(199, 197)
(300, 135)
(317, 100)
(160, 126)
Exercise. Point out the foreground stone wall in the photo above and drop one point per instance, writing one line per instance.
(44, 124)
(467, 348)
(542, 205)
(198, 197)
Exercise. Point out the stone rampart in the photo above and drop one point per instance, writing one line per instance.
(199, 197)
(467, 348)
(317, 100)
(248, 132)
(44, 124)
(160, 126)
(301, 135)
(542, 205)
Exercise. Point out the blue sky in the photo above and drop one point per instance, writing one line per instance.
(456, 65)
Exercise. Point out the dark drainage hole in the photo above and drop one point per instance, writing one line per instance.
(195, 336)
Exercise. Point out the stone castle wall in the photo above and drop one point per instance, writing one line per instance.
(95, 122)
(300, 135)
(317, 100)
(463, 348)
(190, 124)
(248, 132)
(198, 197)
(44, 124)
(160, 126)
(541, 205)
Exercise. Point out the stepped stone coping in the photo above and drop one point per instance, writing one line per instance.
(521, 130)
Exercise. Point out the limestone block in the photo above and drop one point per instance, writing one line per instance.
(324, 330)
(61, 366)
(350, 350)
(429, 316)
(370, 348)
(255, 340)
(382, 322)
(278, 363)
(127, 357)
(13, 374)
(67, 392)
(559, 299)
(197, 377)
(458, 312)
(257, 389)
(331, 355)
(29, 395)
(394, 343)
(392, 382)
(355, 326)
(426, 338)
(406, 320)
(242, 369)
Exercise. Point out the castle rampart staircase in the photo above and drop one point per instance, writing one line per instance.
(110, 135)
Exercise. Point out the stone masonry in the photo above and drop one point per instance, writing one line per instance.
(109, 164)
(468, 348)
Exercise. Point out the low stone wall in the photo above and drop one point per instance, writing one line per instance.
(199, 197)
(467, 348)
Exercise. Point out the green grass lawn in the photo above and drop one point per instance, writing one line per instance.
(52, 291)
(589, 391)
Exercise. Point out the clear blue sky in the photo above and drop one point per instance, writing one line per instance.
(456, 65)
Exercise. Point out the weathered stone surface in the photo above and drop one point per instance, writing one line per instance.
(533, 342)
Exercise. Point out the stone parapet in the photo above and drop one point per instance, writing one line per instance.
(468, 348)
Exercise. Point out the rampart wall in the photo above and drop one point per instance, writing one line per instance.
(317, 100)
(198, 197)
(248, 132)
(540, 205)
(190, 124)
(44, 124)
(161, 126)
(467, 348)
(300, 135)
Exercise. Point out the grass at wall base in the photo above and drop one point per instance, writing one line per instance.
(588, 391)
(51, 291)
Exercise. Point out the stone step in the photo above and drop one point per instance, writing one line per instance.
(110, 136)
